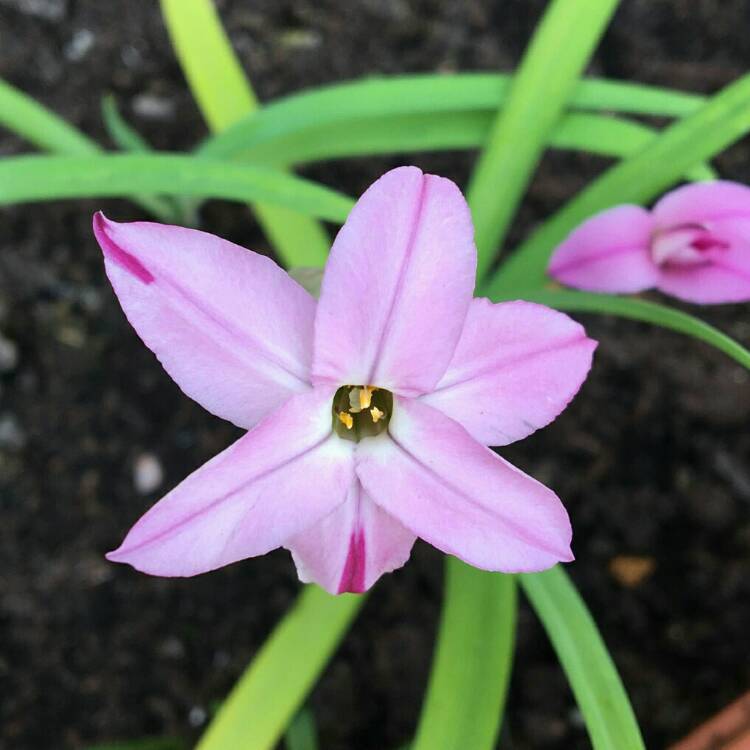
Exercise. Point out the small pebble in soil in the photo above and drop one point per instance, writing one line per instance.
(79, 45)
(153, 107)
(12, 436)
(197, 716)
(49, 10)
(147, 473)
(8, 355)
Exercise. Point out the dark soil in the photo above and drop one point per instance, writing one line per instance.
(651, 459)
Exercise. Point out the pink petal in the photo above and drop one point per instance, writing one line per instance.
(232, 329)
(397, 285)
(723, 279)
(351, 547)
(608, 253)
(702, 202)
(283, 476)
(516, 367)
(461, 497)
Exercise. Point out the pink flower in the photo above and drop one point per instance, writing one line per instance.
(368, 412)
(694, 245)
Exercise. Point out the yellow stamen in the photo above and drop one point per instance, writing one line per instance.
(365, 397)
(346, 419)
(376, 414)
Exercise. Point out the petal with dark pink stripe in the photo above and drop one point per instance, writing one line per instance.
(349, 549)
(230, 327)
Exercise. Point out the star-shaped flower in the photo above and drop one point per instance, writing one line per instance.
(368, 413)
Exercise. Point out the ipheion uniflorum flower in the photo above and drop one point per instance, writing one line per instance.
(368, 412)
(694, 244)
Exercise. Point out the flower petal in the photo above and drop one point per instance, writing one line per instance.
(351, 547)
(250, 498)
(725, 278)
(608, 253)
(702, 202)
(232, 329)
(516, 367)
(461, 497)
(397, 285)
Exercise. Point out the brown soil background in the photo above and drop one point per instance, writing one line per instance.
(651, 459)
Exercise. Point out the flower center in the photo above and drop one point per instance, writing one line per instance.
(361, 411)
(686, 245)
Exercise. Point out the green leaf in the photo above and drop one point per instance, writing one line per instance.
(224, 95)
(213, 71)
(635, 309)
(381, 98)
(275, 684)
(172, 210)
(29, 119)
(33, 178)
(599, 134)
(120, 131)
(716, 125)
(177, 209)
(551, 66)
(591, 672)
(472, 663)
(302, 733)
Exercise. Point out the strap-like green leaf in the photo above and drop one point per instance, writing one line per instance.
(634, 309)
(275, 684)
(580, 131)
(174, 209)
(591, 672)
(357, 101)
(36, 178)
(472, 663)
(551, 66)
(716, 125)
(35, 123)
(224, 95)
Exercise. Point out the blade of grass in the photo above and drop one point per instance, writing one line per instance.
(635, 309)
(552, 64)
(722, 120)
(598, 134)
(302, 733)
(35, 123)
(26, 117)
(120, 131)
(36, 178)
(177, 209)
(275, 684)
(357, 101)
(224, 96)
(591, 672)
(463, 706)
